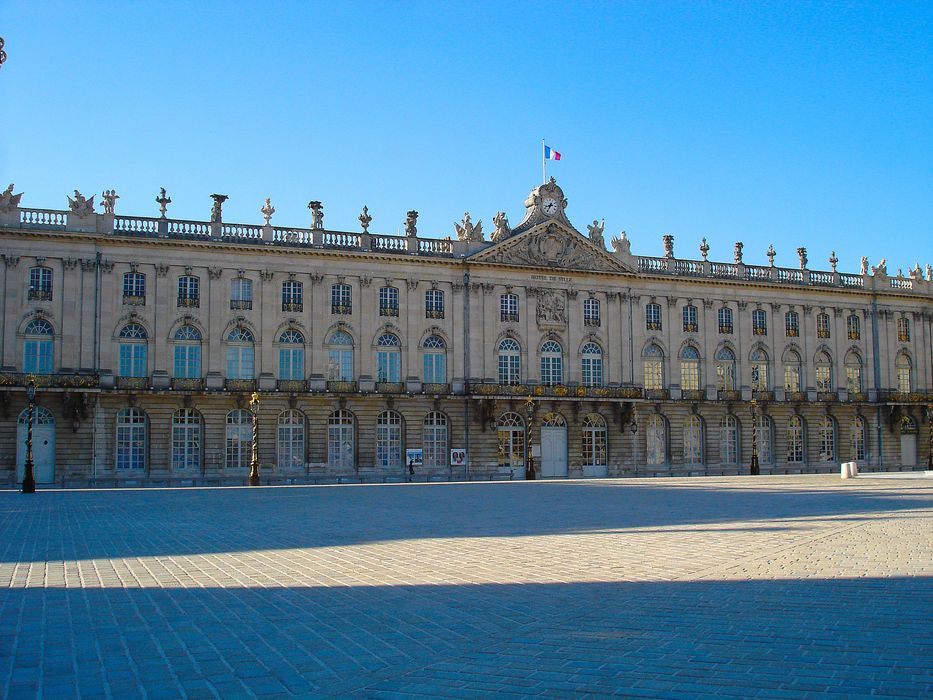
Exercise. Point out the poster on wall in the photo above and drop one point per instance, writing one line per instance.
(413, 458)
(458, 457)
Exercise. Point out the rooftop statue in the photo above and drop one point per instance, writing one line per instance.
(163, 201)
(881, 268)
(8, 200)
(737, 253)
(596, 232)
(217, 209)
(267, 211)
(621, 244)
(317, 214)
(109, 198)
(466, 231)
(80, 206)
(411, 224)
(501, 222)
(864, 265)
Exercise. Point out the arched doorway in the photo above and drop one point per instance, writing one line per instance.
(43, 445)
(553, 445)
(908, 442)
(511, 438)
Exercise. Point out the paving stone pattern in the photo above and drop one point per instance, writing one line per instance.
(802, 586)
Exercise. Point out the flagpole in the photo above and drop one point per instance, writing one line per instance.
(543, 164)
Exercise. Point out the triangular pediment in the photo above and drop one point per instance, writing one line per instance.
(552, 245)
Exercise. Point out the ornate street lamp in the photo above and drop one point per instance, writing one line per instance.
(254, 457)
(755, 471)
(930, 426)
(634, 429)
(29, 479)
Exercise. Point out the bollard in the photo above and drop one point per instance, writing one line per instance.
(844, 470)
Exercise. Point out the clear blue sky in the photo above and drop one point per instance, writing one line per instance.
(797, 123)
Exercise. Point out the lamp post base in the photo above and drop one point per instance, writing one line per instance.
(254, 478)
(753, 469)
(29, 481)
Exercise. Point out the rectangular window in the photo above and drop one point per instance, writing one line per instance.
(791, 378)
(725, 320)
(822, 325)
(292, 293)
(291, 363)
(388, 301)
(508, 307)
(40, 284)
(241, 294)
(791, 324)
(824, 378)
(690, 375)
(854, 329)
(434, 303)
(760, 376)
(654, 374)
(591, 312)
(37, 357)
(759, 322)
(187, 363)
(188, 291)
(653, 317)
(854, 379)
(690, 319)
(340, 299)
(903, 330)
(435, 368)
(132, 360)
(134, 288)
(903, 380)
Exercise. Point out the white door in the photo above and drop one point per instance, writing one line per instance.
(908, 450)
(43, 445)
(553, 451)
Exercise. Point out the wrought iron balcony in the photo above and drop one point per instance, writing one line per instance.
(508, 317)
(134, 300)
(292, 306)
(187, 384)
(434, 313)
(292, 385)
(40, 295)
(729, 395)
(140, 383)
(341, 309)
(388, 311)
(189, 302)
(390, 387)
(241, 304)
(341, 387)
(240, 384)
(434, 388)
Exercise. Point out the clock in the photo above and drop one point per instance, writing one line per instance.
(549, 206)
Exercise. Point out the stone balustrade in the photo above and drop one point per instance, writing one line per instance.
(234, 233)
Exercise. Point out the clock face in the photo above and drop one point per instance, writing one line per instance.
(549, 206)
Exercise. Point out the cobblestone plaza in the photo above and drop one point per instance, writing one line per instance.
(782, 586)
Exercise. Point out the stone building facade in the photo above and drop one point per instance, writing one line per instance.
(146, 338)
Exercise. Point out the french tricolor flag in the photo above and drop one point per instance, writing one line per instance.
(551, 154)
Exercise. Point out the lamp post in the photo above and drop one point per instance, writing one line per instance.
(753, 469)
(930, 426)
(634, 430)
(29, 479)
(254, 456)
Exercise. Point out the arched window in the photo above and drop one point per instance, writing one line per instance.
(389, 440)
(553, 419)
(693, 440)
(340, 357)
(656, 439)
(853, 372)
(791, 371)
(131, 439)
(187, 364)
(765, 439)
(510, 362)
(725, 320)
(729, 440)
(388, 358)
(824, 372)
(186, 440)
(827, 438)
(341, 440)
(133, 351)
(38, 343)
(857, 437)
(654, 367)
(552, 363)
(903, 366)
(240, 354)
(725, 370)
(435, 360)
(854, 327)
(594, 440)
(511, 438)
(592, 365)
(291, 355)
(291, 439)
(434, 441)
(239, 444)
(690, 368)
(795, 440)
(760, 379)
